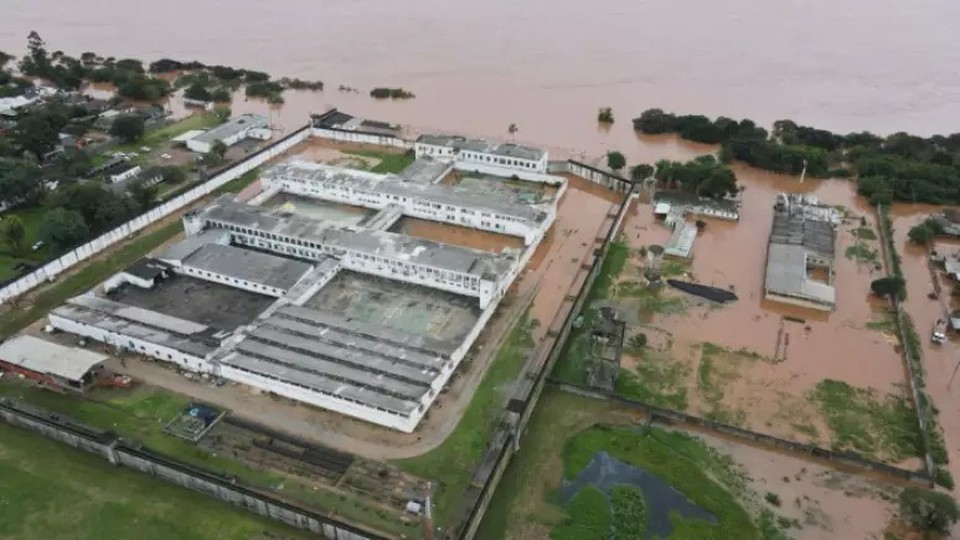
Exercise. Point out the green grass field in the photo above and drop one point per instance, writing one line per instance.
(155, 137)
(452, 463)
(49, 490)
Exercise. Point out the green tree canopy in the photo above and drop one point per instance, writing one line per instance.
(197, 91)
(888, 286)
(928, 510)
(63, 228)
(641, 172)
(616, 160)
(13, 233)
(128, 127)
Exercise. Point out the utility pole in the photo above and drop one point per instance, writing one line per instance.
(803, 173)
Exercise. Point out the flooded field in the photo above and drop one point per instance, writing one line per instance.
(581, 446)
(459, 236)
(774, 368)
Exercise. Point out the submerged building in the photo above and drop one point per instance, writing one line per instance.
(347, 316)
(801, 253)
(481, 156)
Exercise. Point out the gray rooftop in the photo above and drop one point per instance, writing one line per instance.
(818, 237)
(181, 250)
(787, 274)
(232, 127)
(248, 265)
(380, 243)
(43, 356)
(424, 170)
(354, 180)
(479, 145)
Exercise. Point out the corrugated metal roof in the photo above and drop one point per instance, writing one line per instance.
(43, 356)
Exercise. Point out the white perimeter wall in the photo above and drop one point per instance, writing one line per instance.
(54, 268)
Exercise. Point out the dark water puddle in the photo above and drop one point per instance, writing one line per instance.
(605, 471)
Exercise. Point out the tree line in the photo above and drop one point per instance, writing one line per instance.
(899, 167)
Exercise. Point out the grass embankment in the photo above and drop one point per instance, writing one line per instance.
(390, 162)
(49, 490)
(140, 414)
(97, 270)
(452, 463)
(31, 218)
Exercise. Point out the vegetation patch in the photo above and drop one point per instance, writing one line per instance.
(862, 253)
(656, 380)
(390, 162)
(878, 426)
(865, 233)
(718, 369)
(629, 512)
(588, 517)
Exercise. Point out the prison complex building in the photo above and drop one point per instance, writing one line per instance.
(68, 368)
(800, 253)
(456, 269)
(340, 126)
(478, 155)
(487, 211)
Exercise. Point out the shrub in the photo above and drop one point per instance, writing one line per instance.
(392, 93)
(928, 510)
(605, 115)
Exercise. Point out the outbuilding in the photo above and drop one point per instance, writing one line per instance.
(70, 368)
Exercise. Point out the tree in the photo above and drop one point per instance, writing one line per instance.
(19, 182)
(127, 127)
(889, 286)
(173, 174)
(616, 160)
(198, 92)
(218, 150)
(701, 224)
(928, 510)
(143, 194)
(605, 115)
(63, 228)
(38, 132)
(13, 232)
(221, 95)
(512, 129)
(641, 172)
(638, 341)
(921, 234)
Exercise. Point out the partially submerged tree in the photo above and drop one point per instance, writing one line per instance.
(616, 160)
(928, 511)
(893, 286)
(641, 172)
(605, 115)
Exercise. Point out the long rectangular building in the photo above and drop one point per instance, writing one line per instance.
(487, 211)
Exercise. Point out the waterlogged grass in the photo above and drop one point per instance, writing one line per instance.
(719, 368)
(707, 478)
(452, 463)
(613, 264)
(389, 162)
(865, 233)
(656, 380)
(878, 426)
(49, 490)
(886, 323)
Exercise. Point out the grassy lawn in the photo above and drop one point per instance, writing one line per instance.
(31, 218)
(389, 162)
(452, 463)
(878, 426)
(49, 490)
(94, 272)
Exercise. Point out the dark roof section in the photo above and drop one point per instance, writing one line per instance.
(146, 268)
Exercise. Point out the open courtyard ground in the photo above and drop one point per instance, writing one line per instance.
(832, 379)
(669, 483)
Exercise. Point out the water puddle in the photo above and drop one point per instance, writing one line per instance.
(605, 472)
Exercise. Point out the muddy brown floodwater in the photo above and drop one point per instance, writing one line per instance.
(836, 345)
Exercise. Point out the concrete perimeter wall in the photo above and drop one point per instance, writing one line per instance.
(223, 487)
(52, 269)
